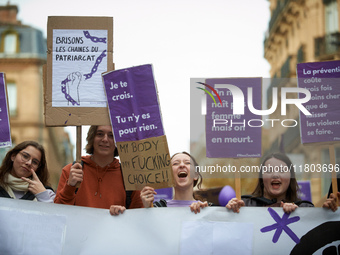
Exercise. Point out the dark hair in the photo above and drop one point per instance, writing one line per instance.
(90, 139)
(7, 163)
(291, 193)
(199, 180)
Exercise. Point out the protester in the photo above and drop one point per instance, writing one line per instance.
(185, 178)
(24, 173)
(276, 187)
(99, 175)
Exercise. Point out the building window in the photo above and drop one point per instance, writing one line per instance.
(301, 55)
(331, 16)
(3, 151)
(10, 42)
(331, 27)
(12, 98)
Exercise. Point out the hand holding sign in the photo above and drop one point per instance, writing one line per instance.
(147, 196)
(76, 175)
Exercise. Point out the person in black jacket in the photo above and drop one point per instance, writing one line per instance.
(276, 187)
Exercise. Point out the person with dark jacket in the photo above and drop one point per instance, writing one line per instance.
(276, 187)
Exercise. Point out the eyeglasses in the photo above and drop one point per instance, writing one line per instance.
(27, 157)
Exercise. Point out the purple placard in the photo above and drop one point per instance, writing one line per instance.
(5, 133)
(133, 103)
(304, 192)
(322, 80)
(165, 193)
(230, 135)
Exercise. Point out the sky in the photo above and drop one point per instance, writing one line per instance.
(182, 39)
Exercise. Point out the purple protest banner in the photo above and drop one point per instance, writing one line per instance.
(165, 193)
(322, 80)
(5, 133)
(133, 103)
(304, 192)
(230, 135)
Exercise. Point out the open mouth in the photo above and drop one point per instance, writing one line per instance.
(182, 174)
(276, 184)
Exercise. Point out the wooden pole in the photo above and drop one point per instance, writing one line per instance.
(237, 180)
(334, 177)
(78, 145)
(78, 148)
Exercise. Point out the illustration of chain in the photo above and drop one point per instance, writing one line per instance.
(94, 38)
(63, 90)
(93, 70)
(95, 66)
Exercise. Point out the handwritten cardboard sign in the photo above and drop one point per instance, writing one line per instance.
(145, 163)
(5, 132)
(231, 135)
(322, 80)
(79, 51)
(137, 127)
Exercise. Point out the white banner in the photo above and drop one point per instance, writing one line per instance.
(38, 228)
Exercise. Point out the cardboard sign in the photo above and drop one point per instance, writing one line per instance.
(133, 103)
(230, 135)
(145, 163)
(79, 51)
(322, 80)
(137, 127)
(5, 131)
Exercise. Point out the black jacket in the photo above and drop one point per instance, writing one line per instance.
(262, 201)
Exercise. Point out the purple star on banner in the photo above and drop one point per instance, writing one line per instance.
(280, 225)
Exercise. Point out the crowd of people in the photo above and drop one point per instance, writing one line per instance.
(97, 181)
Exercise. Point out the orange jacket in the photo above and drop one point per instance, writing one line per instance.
(101, 187)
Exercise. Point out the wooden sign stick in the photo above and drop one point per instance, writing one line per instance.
(78, 148)
(334, 177)
(237, 180)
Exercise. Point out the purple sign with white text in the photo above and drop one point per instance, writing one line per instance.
(232, 130)
(133, 103)
(5, 133)
(322, 80)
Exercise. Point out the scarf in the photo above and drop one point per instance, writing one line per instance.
(16, 184)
